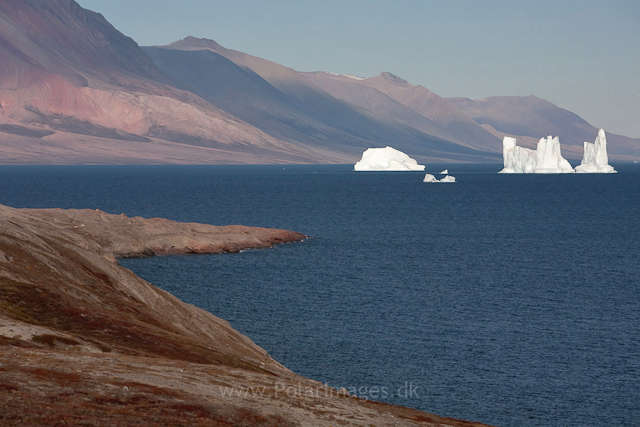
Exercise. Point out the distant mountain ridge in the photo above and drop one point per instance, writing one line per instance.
(66, 69)
(447, 121)
(533, 117)
(292, 106)
(73, 89)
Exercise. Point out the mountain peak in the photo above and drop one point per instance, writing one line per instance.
(63, 38)
(392, 78)
(192, 43)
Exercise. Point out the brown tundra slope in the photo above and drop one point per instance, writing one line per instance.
(84, 341)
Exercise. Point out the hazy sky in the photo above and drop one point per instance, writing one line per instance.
(582, 55)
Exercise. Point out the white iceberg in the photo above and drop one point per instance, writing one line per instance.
(430, 178)
(595, 158)
(516, 159)
(386, 159)
(546, 158)
(549, 159)
(445, 172)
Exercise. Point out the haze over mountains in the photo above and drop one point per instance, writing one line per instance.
(290, 106)
(530, 116)
(75, 90)
(376, 93)
(66, 72)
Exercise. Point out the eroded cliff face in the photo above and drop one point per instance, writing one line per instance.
(83, 340)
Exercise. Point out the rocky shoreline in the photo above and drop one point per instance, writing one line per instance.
(85, 341)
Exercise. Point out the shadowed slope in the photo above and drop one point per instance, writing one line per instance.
(350, 89)
(435, 108)
(299, 107)
(248, 96)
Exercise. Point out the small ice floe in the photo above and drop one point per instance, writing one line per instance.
(430, 178)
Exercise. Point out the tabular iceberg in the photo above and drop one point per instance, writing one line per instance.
(386, 159)
(546, 158)
(595, 159)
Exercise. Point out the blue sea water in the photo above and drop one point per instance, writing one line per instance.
(508, 299)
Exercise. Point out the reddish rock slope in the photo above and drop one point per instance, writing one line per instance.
(66, 69)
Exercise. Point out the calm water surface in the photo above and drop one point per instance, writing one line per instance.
(512, 300)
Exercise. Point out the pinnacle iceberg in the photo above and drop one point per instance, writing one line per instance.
(595, 159)
(546, 158)
(386, 159)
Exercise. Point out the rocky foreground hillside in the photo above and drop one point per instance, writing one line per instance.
(84, 341)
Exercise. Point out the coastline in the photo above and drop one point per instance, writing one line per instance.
(86, 340)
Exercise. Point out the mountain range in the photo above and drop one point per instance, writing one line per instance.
(73, 89)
